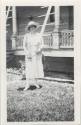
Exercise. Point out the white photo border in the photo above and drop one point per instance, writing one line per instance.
(77, 57)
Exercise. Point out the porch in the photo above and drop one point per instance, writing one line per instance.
(65, 44)
(56, 27)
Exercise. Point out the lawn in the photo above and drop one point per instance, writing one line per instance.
(53, 102)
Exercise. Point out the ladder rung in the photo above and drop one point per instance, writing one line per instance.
(7, 25)
(46, 19)
(44, 6)
(45, 15)
(48, 24)
(10, 17)
(10, 10)
(52, 13)
(41, 16)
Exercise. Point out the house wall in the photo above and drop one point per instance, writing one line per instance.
(56, 67)
(59, 64)
(23, 14)
(66, 17)
(59, 67)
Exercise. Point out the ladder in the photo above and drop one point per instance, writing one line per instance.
(10, 53)
(9, 9)
(46, 19)
(45, 24)
(13, 17)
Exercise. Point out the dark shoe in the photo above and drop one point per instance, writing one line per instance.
(20, 88)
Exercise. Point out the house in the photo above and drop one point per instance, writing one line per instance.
(57, 25)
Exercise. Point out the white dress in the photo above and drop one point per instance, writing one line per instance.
(33, 56)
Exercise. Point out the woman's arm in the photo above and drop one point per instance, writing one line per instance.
(25, 44)
(40, 44)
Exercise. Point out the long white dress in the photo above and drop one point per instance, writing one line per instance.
(33, 56)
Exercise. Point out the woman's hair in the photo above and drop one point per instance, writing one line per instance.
(32, 26)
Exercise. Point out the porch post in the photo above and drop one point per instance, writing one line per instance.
(56, 29)
(14, 27)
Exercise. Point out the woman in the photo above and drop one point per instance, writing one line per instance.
(33, 55)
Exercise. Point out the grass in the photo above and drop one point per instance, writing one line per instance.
(53, 102)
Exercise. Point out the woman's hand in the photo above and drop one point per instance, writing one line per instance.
(29, 55)
(39, 51)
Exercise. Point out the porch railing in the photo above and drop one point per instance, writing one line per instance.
(48, 41)
(66, 40)
(19, 42)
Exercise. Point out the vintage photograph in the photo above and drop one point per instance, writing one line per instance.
(40, 63)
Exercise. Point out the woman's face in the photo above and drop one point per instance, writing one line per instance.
(32, 28)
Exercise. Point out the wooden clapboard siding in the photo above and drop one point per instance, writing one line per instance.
(24, 12)
(59, 64)
(57, 67)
